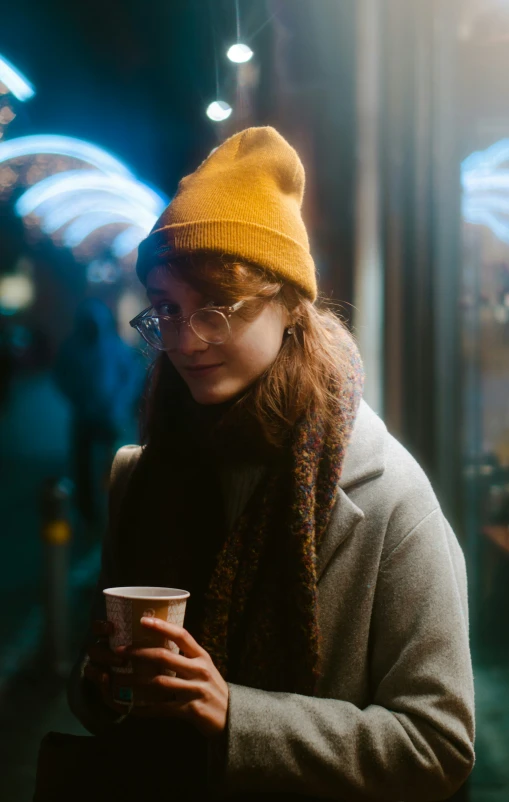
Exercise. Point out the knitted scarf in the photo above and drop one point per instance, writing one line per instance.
(261, 617)
(258, 619)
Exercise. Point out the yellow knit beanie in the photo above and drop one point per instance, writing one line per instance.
(243, 201)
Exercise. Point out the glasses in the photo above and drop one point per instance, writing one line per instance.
(162, 332)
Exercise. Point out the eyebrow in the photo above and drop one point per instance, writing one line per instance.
(155, 291)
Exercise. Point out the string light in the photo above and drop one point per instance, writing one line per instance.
(485, 185)
(218, 111)
(73, 181)
(66, 208)
(82, 201)
(62, 146)
(86, 224)
(239, 53)
(127, 241)
(15, 81)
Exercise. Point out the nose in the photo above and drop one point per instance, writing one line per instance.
(188, 342)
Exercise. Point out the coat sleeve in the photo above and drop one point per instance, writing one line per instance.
(415, 740)
(83, 698)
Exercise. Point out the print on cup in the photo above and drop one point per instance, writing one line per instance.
(125, 607)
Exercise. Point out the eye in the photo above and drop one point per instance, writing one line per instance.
(171, 310)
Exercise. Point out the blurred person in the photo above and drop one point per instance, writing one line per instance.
(100, 376)
(325, 652)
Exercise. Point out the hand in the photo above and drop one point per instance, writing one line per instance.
(198, 693)
(101, 659)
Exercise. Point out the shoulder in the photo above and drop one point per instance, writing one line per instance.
(124, 462)
(384, 480)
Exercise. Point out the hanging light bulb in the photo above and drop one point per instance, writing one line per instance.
(219, 111)
(239, 53)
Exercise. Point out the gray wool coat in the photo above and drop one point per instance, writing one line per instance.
(394, 717)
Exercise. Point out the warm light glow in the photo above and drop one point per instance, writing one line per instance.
(7, 178)
(16, 293)
(219, 111)
(16, 83)
(6, 115)
(239, 53)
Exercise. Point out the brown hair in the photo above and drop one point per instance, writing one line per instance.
(304, 375)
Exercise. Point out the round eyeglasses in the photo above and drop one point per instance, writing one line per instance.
(162, 332)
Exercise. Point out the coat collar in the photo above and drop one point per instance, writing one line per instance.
(365, 454)
(364, 459)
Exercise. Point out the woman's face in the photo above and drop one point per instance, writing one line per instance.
(251, 349)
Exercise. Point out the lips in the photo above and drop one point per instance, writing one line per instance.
(198, 369)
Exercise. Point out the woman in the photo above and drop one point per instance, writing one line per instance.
(325, 650)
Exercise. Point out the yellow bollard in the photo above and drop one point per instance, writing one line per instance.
(56, 535)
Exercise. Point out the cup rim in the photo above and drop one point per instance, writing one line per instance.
(167, 594)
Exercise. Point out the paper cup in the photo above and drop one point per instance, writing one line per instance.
(124, 609)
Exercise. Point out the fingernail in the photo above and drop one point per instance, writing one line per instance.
(147, 619)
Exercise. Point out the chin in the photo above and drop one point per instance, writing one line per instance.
(215, 395)
(203, 396)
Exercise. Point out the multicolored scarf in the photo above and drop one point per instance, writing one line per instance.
(261, 618)
(253, 602)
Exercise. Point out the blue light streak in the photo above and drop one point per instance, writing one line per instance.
(87, 224)
(127, 241)
(485, 182)
(62, 146)
(15, 81)
(75, 181)
(83, 203)
(85, 200)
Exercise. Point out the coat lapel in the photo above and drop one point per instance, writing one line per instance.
(364, 459)
(345, 517)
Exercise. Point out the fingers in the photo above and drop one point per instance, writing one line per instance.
(180, 636)
(162, 690)
(159, 659)
(167, 689)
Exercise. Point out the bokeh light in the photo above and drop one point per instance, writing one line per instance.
(15, 82)
(240, 53)
(485, 182)
(218, 111)
(16, 293)
(76, 203)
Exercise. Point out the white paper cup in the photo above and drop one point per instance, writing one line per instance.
(124, 609)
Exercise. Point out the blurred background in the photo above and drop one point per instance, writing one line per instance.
(400, 111)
